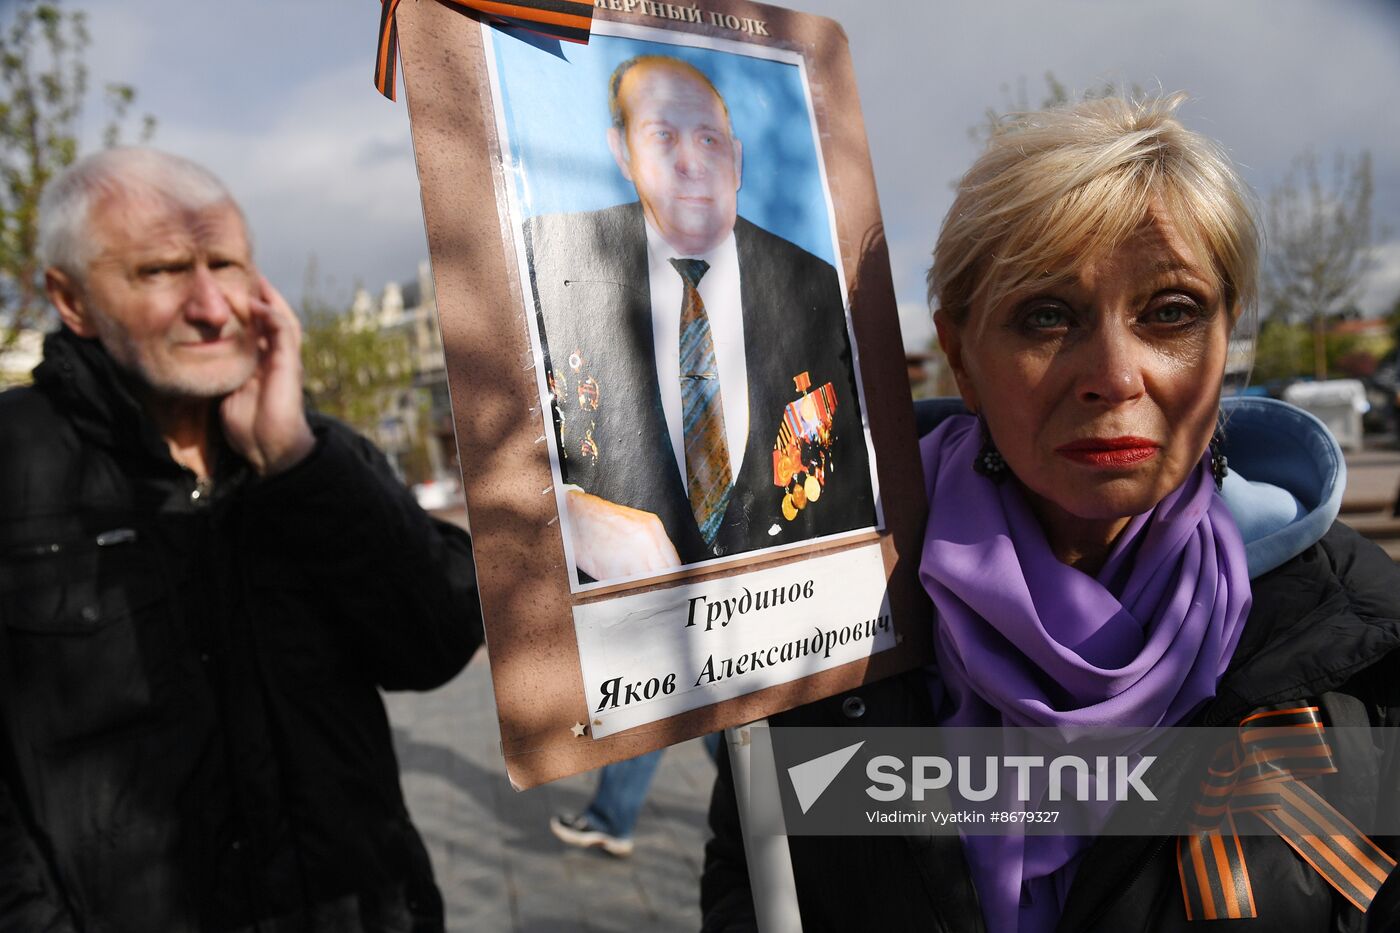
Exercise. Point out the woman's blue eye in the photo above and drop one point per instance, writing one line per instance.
(1046, 317)
(1175, 312)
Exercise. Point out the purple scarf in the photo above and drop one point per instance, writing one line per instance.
(1024, 640)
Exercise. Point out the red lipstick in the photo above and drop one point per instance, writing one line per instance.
(1109, 452)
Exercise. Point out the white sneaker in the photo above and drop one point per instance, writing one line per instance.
(580, 831)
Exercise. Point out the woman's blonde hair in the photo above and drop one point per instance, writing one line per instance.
(1059, 188)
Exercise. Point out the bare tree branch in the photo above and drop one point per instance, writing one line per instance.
(43, 81)
(1319, 245)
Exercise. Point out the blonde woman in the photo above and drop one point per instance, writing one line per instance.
(1099, 552)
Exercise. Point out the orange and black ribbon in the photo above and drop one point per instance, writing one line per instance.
(1260, 774)
(570, 20)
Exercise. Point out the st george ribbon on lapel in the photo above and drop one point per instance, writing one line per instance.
(707, 471)
(570, 20)
(1260, 775)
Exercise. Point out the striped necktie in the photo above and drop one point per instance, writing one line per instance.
(706, 450)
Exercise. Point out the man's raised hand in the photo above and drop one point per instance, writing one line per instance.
(264, 419)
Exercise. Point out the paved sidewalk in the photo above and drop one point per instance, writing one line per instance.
(499, 867)
(1373, 476)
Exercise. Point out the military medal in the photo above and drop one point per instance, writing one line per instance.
(802, 449)
(785, 466)
(588, 394)
(589, 447)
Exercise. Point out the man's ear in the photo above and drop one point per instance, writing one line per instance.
(950, 340)
(738, 164)
(67, 299)
(618, 146)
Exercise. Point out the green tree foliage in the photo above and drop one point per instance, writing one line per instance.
(1286, 350)
(1282, 351)
(43, 83)
(1392, 317)
(1319, 244)
(352, 369)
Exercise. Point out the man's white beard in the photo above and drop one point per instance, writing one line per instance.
(161, 376)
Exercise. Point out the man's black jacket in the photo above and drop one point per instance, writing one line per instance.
(191, 733)
(1324, 626)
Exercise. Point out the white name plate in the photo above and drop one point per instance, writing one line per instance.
(653, 655)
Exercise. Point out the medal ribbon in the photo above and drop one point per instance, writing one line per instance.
(1260, 774)
(569, 20)
(787, 451)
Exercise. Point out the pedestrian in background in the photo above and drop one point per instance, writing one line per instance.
(610, 817)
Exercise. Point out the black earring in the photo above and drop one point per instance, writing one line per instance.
(1219, 463)
(990, 463)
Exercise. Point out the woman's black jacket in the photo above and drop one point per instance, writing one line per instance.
(1324, 626)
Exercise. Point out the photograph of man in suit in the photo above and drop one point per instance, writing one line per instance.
(704, 394)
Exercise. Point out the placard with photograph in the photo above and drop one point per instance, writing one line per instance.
(677, 377)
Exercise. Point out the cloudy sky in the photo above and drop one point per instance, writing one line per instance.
(276, 97)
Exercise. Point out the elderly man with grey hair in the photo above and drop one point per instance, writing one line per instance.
(202, 591)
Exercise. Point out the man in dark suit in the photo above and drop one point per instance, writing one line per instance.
(705, 399)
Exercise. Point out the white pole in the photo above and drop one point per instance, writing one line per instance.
(765, 840)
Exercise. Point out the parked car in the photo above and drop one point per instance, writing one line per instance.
(1384, 416)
